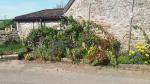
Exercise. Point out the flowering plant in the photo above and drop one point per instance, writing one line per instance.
(139, 53)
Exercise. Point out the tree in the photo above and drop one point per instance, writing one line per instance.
(5, 23)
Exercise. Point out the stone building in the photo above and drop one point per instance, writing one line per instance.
(45, 18)
(115, 16)
(118, 17)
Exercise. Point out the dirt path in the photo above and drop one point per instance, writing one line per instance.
(18, 72)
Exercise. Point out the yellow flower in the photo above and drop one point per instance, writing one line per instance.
(142, 51)
(147, 55)
(140, 47)
(131, 52)
(137, 46)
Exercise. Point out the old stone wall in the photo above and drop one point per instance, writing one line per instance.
(115, 16)
(24, 28)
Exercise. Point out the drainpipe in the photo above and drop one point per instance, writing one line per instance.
(131, 25)
(89, 12)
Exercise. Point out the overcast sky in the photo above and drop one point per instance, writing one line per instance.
(11, 8)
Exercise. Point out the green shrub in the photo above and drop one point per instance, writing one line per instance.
(97, 56)
(78, 54)
(57, 41)
(114, 47)
(95, 62)
(77, 41)
(12, 40)
(56, 55)
(124, 59)
(41, 36)
(52, 54)
(57, 50)
(41, 53)
(112, 58)
(1, 52)
(88, 39)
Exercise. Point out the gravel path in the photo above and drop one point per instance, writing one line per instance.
(17, 72)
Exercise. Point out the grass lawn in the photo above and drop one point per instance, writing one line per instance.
(11, 48)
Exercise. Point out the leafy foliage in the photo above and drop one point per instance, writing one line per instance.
(77, 41)
(5, 23)
(41, 36)
(78, 54)
(140, 54)
(112, 58)
(124, 59)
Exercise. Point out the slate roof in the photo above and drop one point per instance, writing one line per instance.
(48, 14)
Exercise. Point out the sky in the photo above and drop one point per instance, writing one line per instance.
(12, 8)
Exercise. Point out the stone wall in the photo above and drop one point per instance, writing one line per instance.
(24, 28)
(115, 16)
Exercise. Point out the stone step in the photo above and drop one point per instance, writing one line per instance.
(9, 56)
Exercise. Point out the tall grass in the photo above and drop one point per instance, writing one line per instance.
(12, 45)
(11, 48)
